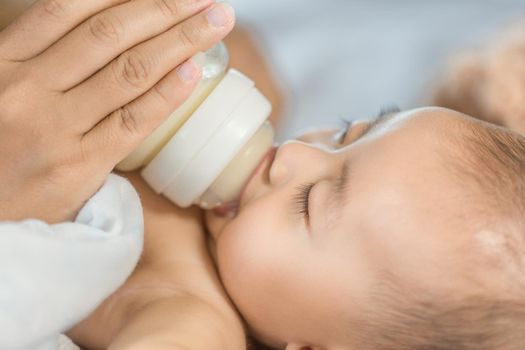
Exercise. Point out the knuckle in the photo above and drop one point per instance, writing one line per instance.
(11, 108)
(105, 29)
(169, 8)
(13, 100)
(158, 92)
(55, 8)
(133, 68)
(187, 35)
(127, 121)
(64, 159)
(65, 167)
(62, 163)
(164, 106)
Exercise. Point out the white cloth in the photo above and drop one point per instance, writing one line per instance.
(52, 276)
(67, 344)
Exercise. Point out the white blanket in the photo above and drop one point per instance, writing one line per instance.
(52, 276)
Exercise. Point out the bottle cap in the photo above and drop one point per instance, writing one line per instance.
(209, 140)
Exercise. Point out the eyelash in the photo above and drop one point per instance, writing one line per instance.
(343, 131)
(302, 200)
(389, 109)
(347, 124)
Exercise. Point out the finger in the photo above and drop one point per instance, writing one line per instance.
(44, 23)
(104, 36)
(119, 133)
(138, 69)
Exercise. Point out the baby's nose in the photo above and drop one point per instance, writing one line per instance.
(325, 137)
(295, 158)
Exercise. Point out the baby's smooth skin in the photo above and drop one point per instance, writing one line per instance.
(174, 298)
(383, 205)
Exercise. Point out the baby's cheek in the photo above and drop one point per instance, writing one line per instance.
(249, 253)
(255, 274)
(258, 252)
(243, 250)
(241, 262)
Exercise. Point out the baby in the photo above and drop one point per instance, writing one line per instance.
(407, 234)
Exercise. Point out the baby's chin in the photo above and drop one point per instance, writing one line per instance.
(216, 222)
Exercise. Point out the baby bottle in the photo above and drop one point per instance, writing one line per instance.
(206, 151)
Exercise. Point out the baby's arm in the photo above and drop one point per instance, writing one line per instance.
(174, 299)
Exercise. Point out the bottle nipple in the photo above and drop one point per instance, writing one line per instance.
(232, 180)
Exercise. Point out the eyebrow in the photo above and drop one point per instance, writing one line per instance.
(378, 122)
(342, 181)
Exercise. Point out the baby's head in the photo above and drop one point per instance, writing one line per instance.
(408, 235)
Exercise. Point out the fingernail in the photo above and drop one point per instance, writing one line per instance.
(188, 71)
(220, 15)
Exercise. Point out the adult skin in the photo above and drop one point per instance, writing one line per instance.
(91, 81)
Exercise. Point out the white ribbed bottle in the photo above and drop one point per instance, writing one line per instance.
(205, 152)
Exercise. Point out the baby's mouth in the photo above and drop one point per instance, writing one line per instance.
(227, 209)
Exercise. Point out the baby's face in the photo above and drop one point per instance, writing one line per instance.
(319, 227)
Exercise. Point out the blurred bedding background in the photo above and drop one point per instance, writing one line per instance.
(348, 58)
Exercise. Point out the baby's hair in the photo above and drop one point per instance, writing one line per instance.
(489, 164)
(491, 170)
(420, 320)
(492, 162)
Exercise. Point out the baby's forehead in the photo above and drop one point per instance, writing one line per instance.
(422, 133)
(435, 122)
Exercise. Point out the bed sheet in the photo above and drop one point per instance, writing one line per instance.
(348, 58)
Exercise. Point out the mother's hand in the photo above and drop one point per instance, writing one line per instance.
(82, 83)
